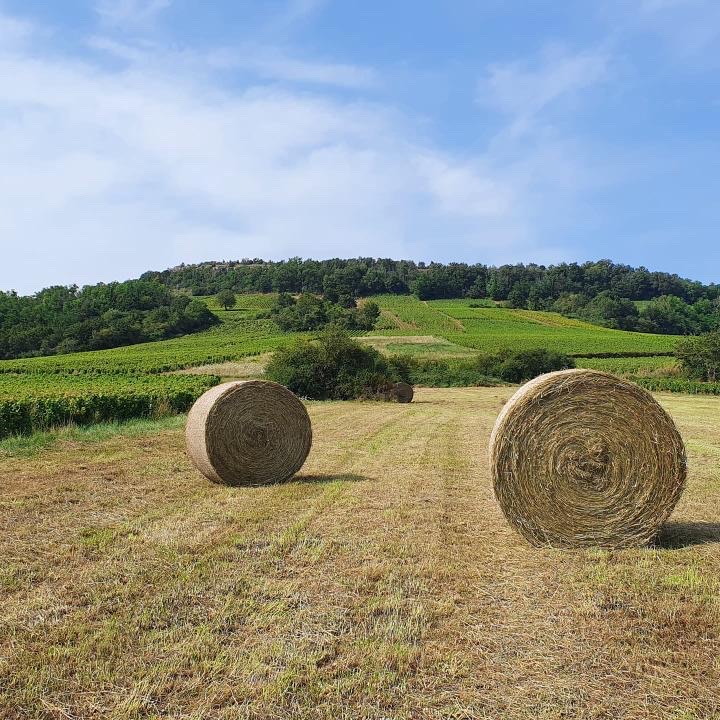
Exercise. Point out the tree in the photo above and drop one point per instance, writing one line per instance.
(699, 356)
(226, 299)
(609, 310)
(331, 367)
(670, 315)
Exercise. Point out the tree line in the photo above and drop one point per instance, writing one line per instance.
(603, 292)
(67, 319)
(521, 284)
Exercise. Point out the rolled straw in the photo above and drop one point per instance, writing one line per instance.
(582, 458)
(248, 433)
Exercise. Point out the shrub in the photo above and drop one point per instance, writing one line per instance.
(521, 365)
(333, 366)
(310, 312)
(438, 373)
(508, 366)
(699, 356)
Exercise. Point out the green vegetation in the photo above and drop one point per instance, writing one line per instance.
(639, 366)
(310, 312)
(481, 370)
(226, 299)
(65, 319)
(31, 402)
(699, 357)
(113, 385)
(667, 314)
(332, 366)
(616, 296)
(491, 329)
(679, 385)
(532, 286)
(451, 331)
(232, 340)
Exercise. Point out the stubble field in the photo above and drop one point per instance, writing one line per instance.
(383, 582)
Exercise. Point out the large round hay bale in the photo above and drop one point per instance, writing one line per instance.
(582, 458)
(248, 433)
(402, 392)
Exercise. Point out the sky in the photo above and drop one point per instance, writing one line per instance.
(139, 134)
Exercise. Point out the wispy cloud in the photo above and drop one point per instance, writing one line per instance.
(107, 172)
(523, 91)
(296, 10)
(14, 31)
(274, 64)
(130, 12)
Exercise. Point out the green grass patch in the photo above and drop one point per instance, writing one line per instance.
(31, 445)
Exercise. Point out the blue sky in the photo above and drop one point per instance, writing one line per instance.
(139, 134)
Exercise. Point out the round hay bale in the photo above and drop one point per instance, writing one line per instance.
(402, 392)
(582, 458)
(248, 433)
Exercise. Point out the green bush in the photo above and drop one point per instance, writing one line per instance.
(333, 366)
(699, 356)
(310, 312)
(517, 366)
(30, 402)
(439, 373)
(507, 365)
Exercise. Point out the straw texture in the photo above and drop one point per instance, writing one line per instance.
(248, 433)
(402, 392)
(582, 458)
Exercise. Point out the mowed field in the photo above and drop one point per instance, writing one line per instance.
(382, 582)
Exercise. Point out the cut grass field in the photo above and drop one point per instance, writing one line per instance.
(383, 582)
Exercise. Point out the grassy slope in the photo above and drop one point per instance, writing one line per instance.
(492, 328)
(239, 335)
(130, 587)
(451, 328)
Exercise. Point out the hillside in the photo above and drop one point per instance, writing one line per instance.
(41, 392)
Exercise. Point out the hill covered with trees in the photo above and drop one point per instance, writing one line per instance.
(160, 305)
(66, 319)
(602, 292)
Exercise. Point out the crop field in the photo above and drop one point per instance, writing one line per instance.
(34, 402)
(106, 385)
(382, 582)
(437, 329)
(491, 328)
(229, 341)
(633, 366)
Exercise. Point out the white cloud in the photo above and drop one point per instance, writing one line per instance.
(266, 63)
(14, 31)
(107, 173)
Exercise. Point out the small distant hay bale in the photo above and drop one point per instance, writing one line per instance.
(581, 458)
(248, 433)
(402, 392)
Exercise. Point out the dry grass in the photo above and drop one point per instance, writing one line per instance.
(419, 345)
(250, 368)
(367, 588)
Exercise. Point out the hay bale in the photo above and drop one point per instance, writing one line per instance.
(248, 433)
(402, 392)
(582, 458)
